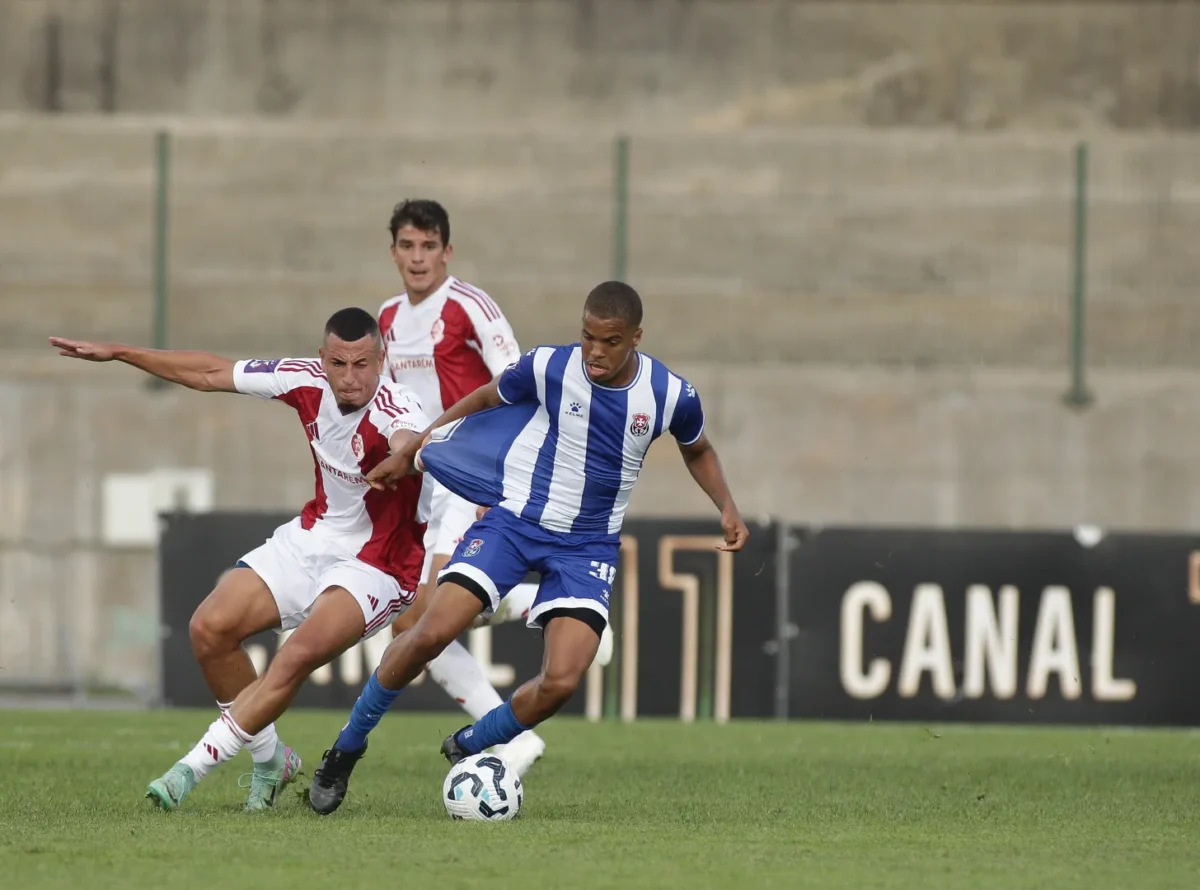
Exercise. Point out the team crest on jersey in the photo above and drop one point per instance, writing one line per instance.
(640, 425)
(310, 430)
(261, 365)
(438, 331)
(473, 548)
(356, 445)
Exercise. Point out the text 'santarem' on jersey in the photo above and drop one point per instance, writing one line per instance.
(384, 529)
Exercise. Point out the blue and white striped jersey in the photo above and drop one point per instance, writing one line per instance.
(563, 452)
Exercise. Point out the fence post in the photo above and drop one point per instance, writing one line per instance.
(621, 208)
(1078, 396)
(162, 185)
(784, 542)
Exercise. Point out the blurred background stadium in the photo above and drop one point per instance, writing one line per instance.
(932, 264)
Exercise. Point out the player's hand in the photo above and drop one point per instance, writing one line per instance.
(735, 530)
(91, 352)
(389, 471)
(479, 511)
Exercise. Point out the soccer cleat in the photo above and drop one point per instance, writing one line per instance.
(451, 749)
(523, 751)
(269, 778)
(169, 789)
(332, 778)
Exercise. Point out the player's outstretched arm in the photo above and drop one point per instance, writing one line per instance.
(201, 371)
(704, 465)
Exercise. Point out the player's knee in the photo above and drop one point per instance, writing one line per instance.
(209, 635)
(294, 664)
(557, 686)
(428, 641)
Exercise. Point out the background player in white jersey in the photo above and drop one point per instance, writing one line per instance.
(557, 461)
(339, 572)
(445, 338)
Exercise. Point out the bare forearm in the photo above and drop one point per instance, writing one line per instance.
(705, 468)
(486, 396)
(201, 371)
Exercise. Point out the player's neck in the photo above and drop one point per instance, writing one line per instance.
(627, 373)
(415, 299)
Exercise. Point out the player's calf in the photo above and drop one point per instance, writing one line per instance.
(240, 606)
(450, 613)
(572, 637)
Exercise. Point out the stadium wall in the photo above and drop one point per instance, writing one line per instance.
(806, 246)
(723, 64)
(936, 447)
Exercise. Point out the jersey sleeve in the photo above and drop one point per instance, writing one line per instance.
(397, 408)
(275, 378)
(687, 420)
(518, 382)
(494, 335)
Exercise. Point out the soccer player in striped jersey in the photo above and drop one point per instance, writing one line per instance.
(445, 338)
(338, 573)
(554, 447)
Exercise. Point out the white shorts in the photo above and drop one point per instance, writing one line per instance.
(450, 518)
(297, 566)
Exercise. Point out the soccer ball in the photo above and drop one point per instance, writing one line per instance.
(482, 788)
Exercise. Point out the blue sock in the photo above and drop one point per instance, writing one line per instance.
(496, 727)
(372, 704)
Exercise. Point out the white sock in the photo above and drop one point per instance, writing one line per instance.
(222, 742)
(262, 746)
(457, 671)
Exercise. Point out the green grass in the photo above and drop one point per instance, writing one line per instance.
(654, 804)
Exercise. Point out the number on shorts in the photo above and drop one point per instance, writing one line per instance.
(603, 571)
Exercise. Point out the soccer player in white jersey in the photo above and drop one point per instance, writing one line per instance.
(444, 339)
(556, 461)
(338, 573)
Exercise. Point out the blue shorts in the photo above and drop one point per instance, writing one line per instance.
(499, 550)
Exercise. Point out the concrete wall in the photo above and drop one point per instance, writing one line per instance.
(936, 447)
(845, 246)
(723, 63)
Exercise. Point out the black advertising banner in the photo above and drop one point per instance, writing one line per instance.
(694, 628)
(995, 626)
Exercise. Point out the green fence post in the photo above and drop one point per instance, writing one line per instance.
(1078, 396)
(162, 184)
(621, 209)
(611, 708)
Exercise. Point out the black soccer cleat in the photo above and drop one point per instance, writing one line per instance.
(332, 778)
(451, 750)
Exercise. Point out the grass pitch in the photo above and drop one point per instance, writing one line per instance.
(653, 804)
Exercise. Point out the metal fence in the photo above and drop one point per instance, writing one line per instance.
(825, 246)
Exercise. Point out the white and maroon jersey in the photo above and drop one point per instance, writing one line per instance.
(449, 344)
(385, 529)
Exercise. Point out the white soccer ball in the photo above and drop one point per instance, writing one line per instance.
(482, 788)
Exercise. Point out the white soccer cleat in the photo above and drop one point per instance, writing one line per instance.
(522, 751)
(605, 652)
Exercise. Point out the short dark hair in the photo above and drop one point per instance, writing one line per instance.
(422, 214)
(615, 299)
(352, 324)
